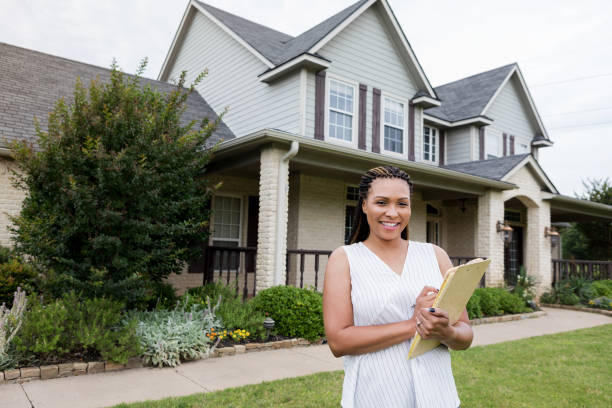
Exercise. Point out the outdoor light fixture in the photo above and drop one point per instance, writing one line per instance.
(506, 231)
(553, 234)
(268, 324)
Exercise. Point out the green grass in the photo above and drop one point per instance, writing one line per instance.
(571, 369)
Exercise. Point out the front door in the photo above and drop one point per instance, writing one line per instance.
(513, 256)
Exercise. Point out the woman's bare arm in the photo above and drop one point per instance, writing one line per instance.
(343, 337)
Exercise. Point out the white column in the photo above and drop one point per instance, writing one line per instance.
(273, 212)
(537, 254)
(489, 243)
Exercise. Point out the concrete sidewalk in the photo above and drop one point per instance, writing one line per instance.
(104, 390)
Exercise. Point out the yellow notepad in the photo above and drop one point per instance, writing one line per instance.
(458, 286)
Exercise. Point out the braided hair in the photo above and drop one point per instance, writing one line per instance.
(361, 230)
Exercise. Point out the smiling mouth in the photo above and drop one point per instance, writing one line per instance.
(389, 225)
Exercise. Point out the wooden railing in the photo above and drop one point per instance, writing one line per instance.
(591, 270)
(300, 257)
(231, 264)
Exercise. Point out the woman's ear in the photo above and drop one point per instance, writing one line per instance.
(363, 206)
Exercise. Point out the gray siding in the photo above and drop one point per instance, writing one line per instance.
(232, 81)
(458, 145)
(511, 114)
(310, 104)
(365, 53)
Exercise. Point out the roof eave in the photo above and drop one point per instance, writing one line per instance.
(426, 102)
(266, 136)
(580, 206)
(311, 62)
(477, 121)
(542, 143)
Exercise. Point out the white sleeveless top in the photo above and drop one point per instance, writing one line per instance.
(379, 295)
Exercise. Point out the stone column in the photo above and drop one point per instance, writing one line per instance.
(11, 199)
(266, 267)
(537, 255)
(489, 243)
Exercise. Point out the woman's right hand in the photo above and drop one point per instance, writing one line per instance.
(425, 299)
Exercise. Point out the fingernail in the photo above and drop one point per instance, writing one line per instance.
(432, 309)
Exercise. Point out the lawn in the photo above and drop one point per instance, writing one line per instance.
(571, 369)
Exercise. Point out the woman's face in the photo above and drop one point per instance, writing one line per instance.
(387, 207)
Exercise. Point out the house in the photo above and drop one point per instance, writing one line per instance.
(307, 115)
(313, 112)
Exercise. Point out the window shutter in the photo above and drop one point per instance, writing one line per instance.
(363, 94)
(505, 143)
(320, 106)
(481, 143)
(442, 137)
(376, 120)
(410, 131)
(511, 145)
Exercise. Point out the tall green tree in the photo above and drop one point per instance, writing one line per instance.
(117, 194)
(593, 239)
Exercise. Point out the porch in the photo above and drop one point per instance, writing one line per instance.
(286, 202)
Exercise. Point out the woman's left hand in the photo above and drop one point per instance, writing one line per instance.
(433, 325)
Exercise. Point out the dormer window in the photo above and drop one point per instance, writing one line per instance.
(430, 145)
(394, 126)
(342, 104)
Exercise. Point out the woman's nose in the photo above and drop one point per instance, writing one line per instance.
(391, 210)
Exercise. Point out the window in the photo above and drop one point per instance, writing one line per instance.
(492, 145)
(430, 144)
(393, 126)
(433, 225)
(341, 110)
(352, 198)
(226, 230)
(226, 221)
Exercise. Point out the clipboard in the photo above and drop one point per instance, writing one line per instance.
(457, 288)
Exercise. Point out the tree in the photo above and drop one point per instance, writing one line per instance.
(593, 239)
(116, 194)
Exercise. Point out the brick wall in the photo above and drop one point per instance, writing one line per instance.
(459, 232)
(10, 200)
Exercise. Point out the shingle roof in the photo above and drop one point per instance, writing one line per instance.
(268, 42)
(31, 82)
(274, 45)
(467, 97)
(494, 169)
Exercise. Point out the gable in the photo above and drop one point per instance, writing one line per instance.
(529, 175)
(512, 114)
(364, 51)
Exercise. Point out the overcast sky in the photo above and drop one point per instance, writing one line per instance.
(563, 47)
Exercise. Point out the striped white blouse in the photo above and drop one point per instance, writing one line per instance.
(379, 295)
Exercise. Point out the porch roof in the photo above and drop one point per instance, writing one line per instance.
(564, 208)
(241, 156)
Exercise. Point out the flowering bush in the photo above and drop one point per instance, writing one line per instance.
(183, 333)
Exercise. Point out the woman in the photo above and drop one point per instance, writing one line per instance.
(377, 295)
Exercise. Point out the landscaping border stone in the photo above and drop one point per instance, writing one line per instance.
(579, 308)
(507, 318)
(93, 367)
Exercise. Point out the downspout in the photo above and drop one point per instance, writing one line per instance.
(281, 222)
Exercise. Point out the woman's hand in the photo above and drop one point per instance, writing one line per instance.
(433, 324)
(425, 298)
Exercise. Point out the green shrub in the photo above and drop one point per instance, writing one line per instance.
(473, 307)
(489, 302)
(233, 312)
(511, 303)
(296, 312)
(602, 288)
(548, 297)
(14, 273)
(171, 336)
(568, 299)
(525, 284)
(159, 295)
(71, 328)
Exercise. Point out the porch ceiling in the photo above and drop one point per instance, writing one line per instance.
(240, 156)
(567, 209)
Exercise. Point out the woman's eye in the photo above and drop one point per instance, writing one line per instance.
(380, 203)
